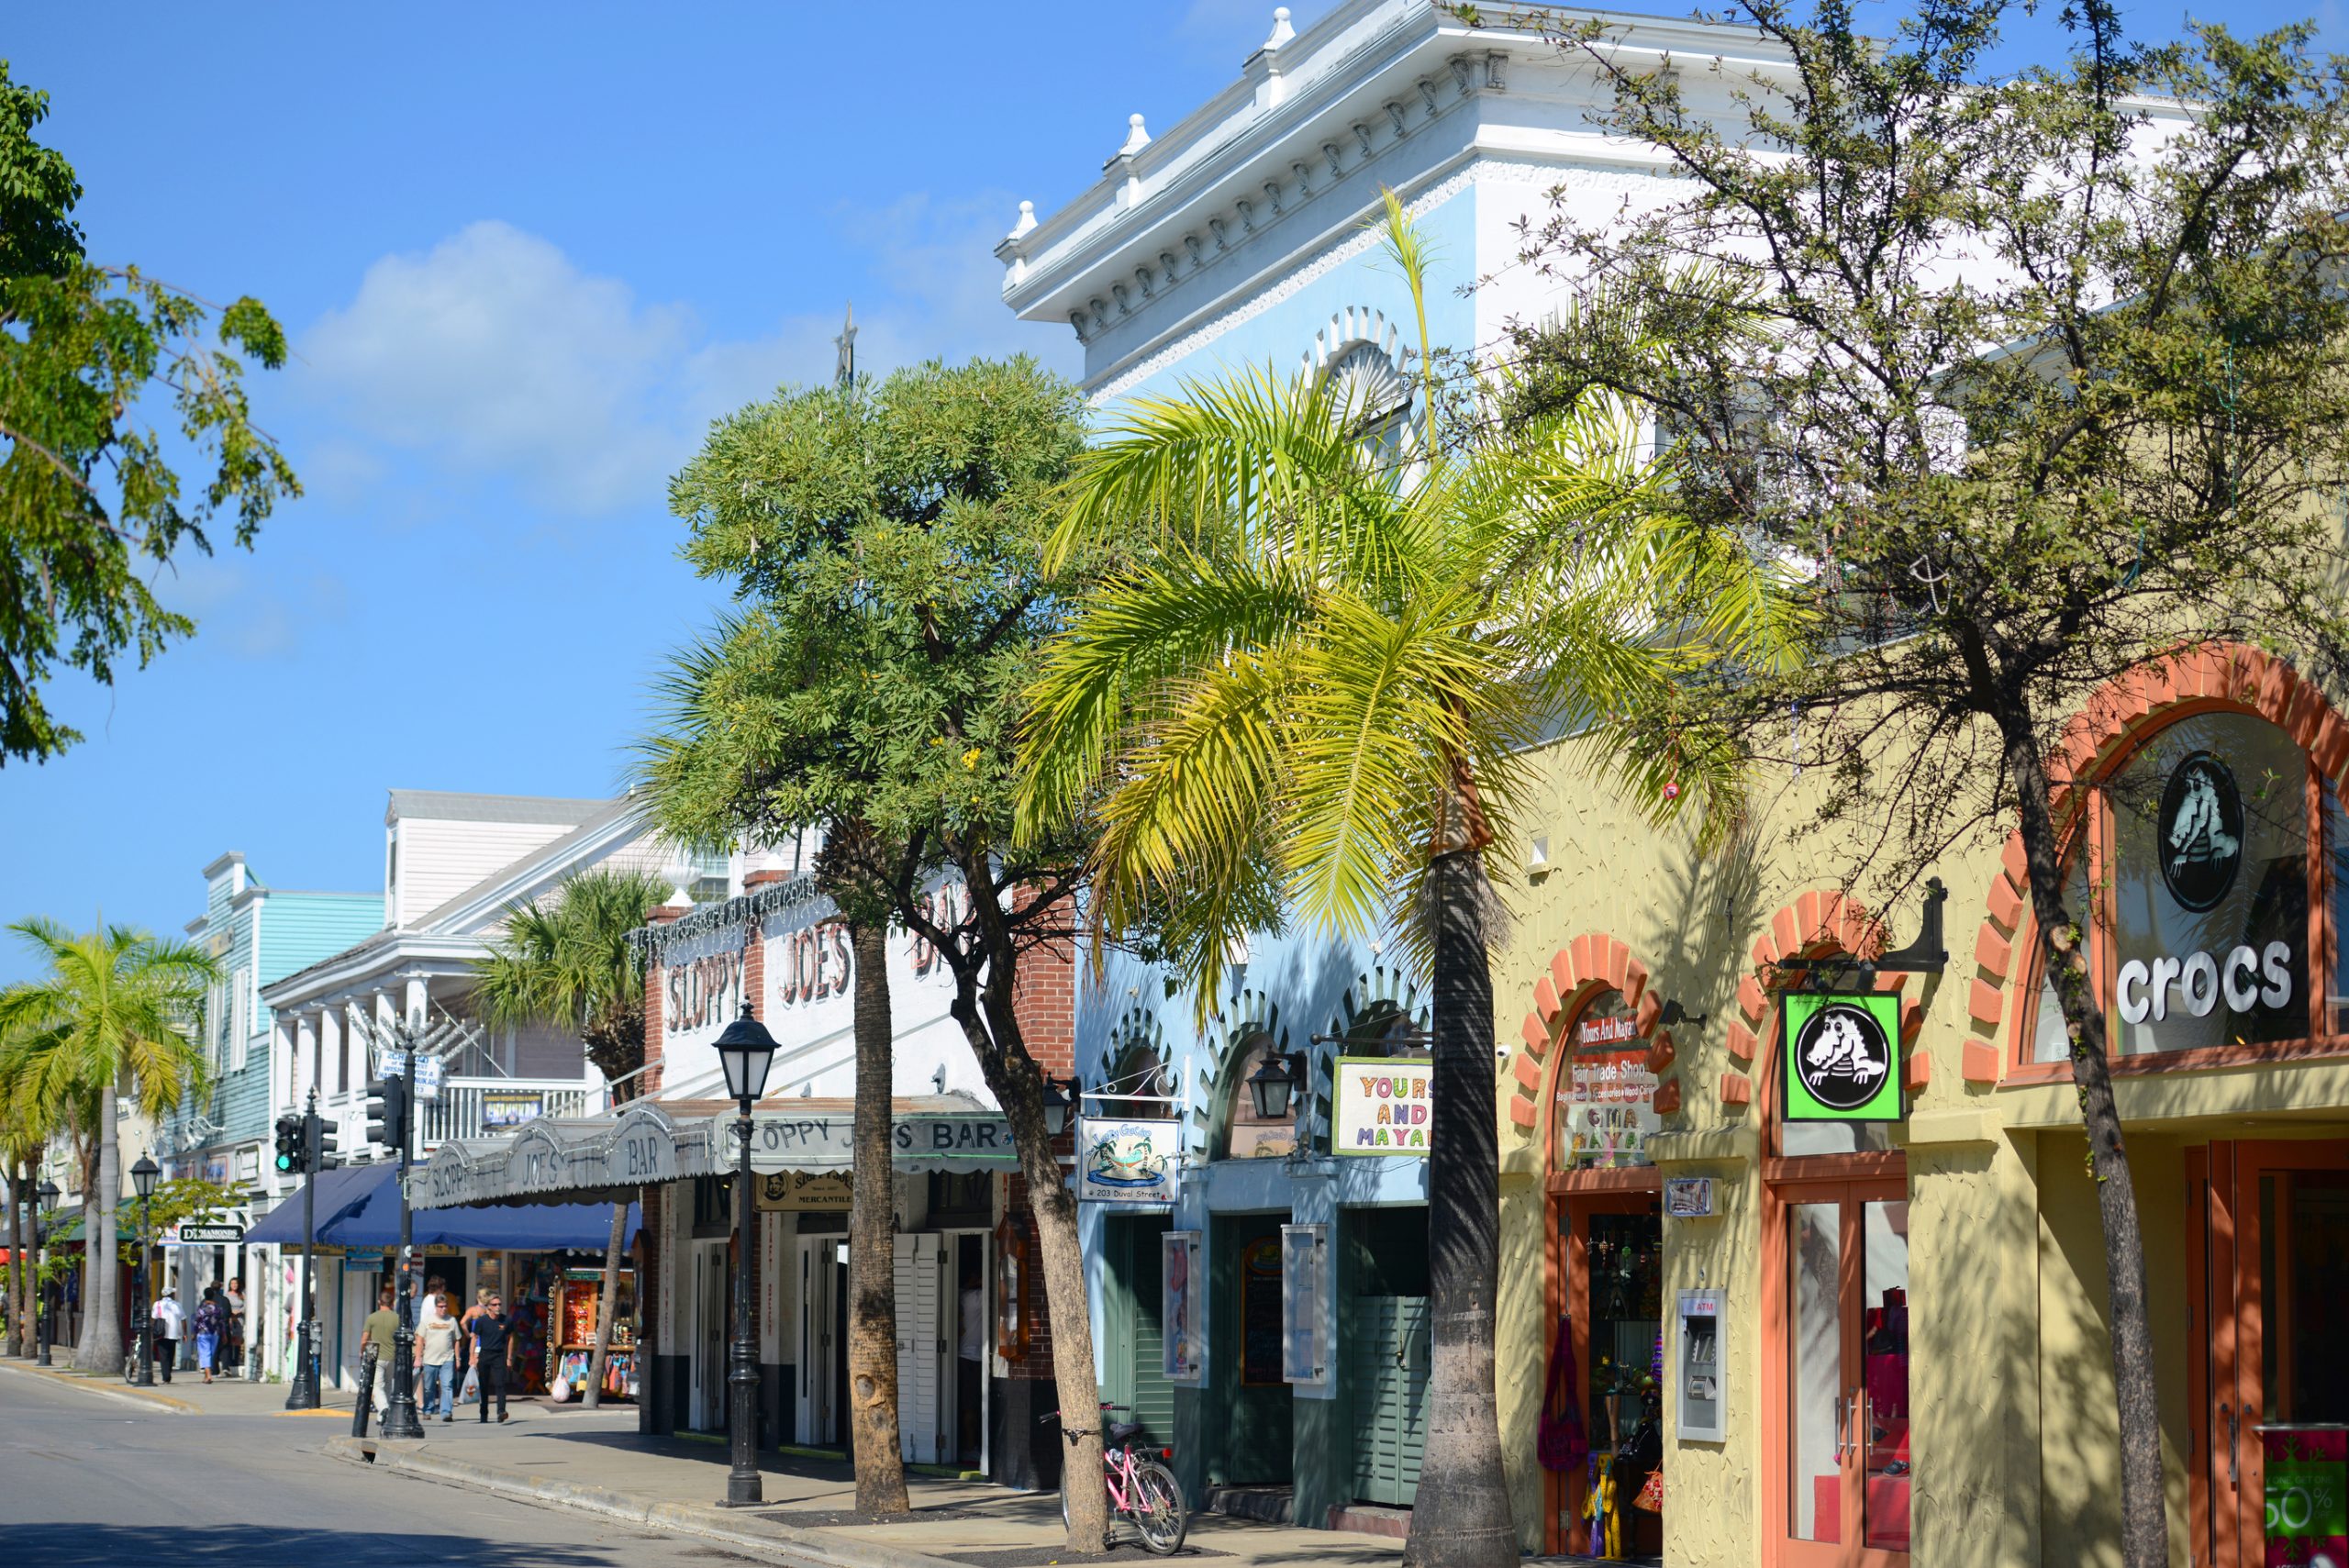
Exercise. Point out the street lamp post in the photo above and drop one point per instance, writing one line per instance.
(43, 1329)
(142, 1323)
(746, 1050)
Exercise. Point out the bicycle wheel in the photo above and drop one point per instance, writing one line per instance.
(1158, 1512)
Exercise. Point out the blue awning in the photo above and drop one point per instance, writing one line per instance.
(339, 1190)
(366, 1214)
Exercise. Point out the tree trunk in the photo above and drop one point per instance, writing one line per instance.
(2144, 1524)
(101, 1347)
(20, 1189)
(1461, 1517)
(871, 1242)
(604, 1304)
(1061, 1264)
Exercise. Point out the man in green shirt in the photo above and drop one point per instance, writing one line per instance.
(381, 1328)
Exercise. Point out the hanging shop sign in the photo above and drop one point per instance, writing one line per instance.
(801, 1192)
(1305, 1354)
(1383, 1106)
(1842, 1056)
(1182, 1303)
(1122, 1161)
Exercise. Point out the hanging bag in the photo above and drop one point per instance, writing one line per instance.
(1563, 1443)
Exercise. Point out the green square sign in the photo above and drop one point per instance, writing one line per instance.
(1842, 1054)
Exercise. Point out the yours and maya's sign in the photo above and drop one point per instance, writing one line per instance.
(1383, 1106)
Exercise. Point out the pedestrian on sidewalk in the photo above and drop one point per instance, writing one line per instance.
(437, 1344)
(492, 1338)
(234, 1346)
(381, 1330)
(210, 1323)
(168, 1317)
(468, 1374)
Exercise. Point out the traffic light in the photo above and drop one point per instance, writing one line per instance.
(322, 1143)
(388, 1112)
(289, 1143)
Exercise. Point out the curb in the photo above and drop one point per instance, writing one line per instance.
(792, 1543)
(102, 1389)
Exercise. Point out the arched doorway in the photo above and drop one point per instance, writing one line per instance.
(1605, 1284)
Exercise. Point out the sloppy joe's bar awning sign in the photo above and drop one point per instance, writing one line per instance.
(1382, 1106)
(1842, 1055)
(823, 1140)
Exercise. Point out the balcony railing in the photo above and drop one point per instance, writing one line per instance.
(468, 1108)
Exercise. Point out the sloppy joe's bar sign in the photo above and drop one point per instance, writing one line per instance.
(702, 991)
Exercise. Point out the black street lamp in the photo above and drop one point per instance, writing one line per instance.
(1063, 1098)
(142, 1323)
(745, 1051)
(400, 1420)
(43, 1217)
(1273, 1085)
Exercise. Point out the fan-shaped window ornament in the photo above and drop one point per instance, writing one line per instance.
(1372, 390)
(1140, 1088)
(1382, 1029)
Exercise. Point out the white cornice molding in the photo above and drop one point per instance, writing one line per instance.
(1345, 241)
(355, 974)
(1173, 211)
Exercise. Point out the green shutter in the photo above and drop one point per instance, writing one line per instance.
(1387, 1373)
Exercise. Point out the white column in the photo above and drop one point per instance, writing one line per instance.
(329, 1025)
(415, 1001)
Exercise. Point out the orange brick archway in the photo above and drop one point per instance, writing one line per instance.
(1821, 922)
(2218, 675)
(1590, 963)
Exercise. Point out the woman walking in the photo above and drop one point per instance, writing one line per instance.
(211, 1324)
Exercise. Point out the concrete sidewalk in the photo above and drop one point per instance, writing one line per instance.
(104, 1386)
(596, 1462)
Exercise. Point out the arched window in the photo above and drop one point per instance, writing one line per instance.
(2203, 851)
(1246, 1135)
(1370, 387)
(1605, 1110)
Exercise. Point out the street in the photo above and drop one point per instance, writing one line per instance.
(91, 1480)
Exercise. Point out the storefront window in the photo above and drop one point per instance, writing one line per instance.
(2205, 939)
(1605, 1110)
(2210, 840)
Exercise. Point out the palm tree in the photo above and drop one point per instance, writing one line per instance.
(568, 963)
(1323, 683)
(115, 1011)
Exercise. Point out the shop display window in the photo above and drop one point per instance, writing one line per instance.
(1605, 1111)
(1623, 1383)
(2198, 909)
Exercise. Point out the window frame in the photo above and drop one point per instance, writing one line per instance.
(2092, 833)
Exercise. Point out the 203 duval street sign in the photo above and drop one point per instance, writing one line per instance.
(1842, 1056)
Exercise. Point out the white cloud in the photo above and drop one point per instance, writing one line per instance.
(494, 353)
(242, 611)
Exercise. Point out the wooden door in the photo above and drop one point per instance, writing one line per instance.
(1387, 1374)
(921, 1346)
(1844, 1448)
(2272, 1253)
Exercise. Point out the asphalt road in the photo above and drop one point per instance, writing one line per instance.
(86, 1480)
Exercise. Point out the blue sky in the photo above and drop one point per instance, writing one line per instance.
(526, 252)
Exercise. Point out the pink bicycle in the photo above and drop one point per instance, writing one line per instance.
(1141, 1490)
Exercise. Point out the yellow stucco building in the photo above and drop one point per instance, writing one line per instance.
(1862, 1342)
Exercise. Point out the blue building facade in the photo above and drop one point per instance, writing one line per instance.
(257, 935)
(1286, 1365)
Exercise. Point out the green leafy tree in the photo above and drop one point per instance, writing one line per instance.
(886, 542)
(568, 963)
(114, 1012)
(2153, 459)
(1328, 670)
(90, 507)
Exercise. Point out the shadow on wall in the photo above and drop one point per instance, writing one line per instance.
(2079, 1494)
(1705, 916)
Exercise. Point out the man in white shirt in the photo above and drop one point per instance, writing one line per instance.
(168, 1318)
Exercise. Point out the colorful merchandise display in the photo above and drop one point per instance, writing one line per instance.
(578, 1294)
